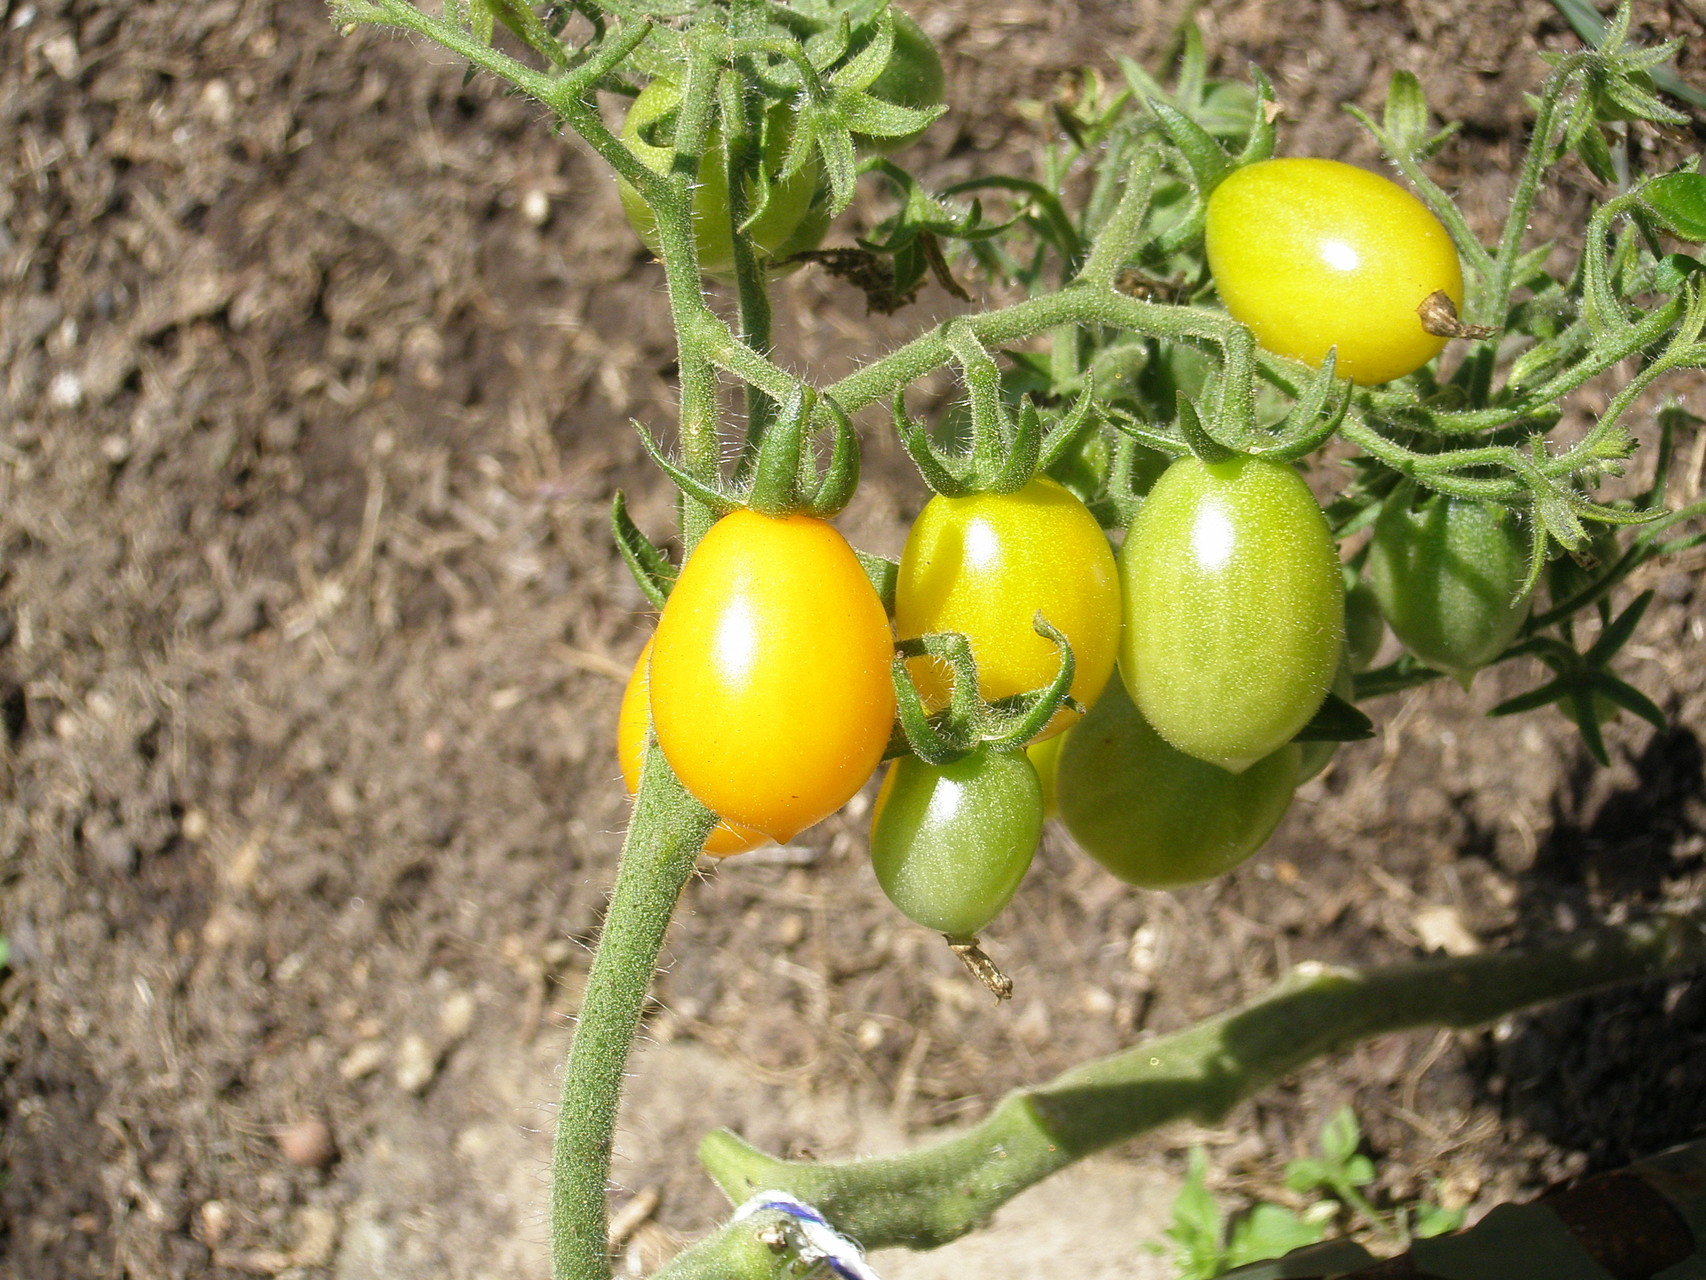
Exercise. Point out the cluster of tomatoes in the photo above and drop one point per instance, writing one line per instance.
(770, 683)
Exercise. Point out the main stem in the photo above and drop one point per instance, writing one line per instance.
(668, 830)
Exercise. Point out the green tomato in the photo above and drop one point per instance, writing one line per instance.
(1235, 613)
(1045, 759)
(1448, 573)
(912, 77)
(794, 219)
(1158, 818)
(950, 843)
(1316, 254)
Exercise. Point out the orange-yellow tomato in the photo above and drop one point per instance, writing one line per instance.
(1313, 254)
(985, 564)
(633, 722)
(771, 695)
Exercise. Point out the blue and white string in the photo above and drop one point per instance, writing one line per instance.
(818, 1241)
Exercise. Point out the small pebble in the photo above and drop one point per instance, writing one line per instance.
(308, 1144)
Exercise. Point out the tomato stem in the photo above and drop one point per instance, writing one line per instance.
(668, 830)
(1199, 1073)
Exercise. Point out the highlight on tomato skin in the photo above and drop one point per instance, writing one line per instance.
(985, 564)
(1235, 615)
(771, 693)
(1316, 254)
(633, 723)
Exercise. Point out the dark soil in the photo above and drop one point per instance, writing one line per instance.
(317, 364)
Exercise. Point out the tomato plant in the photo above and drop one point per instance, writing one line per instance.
(633, 723)
(1156, 817)
(771, 695)
(985, 564)
(951, 842)
(794, 218)
(1313, 757)
(1317, 254)
(1449, 575)
(1234, 608)
(912, 77)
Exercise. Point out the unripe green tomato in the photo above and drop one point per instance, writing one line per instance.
(950, 843)
(984, 565)
(1313, 254)
(1045, 759)
(1314, 756)
(1448, 573)
(1235, 613)
(793, 221)
(912, 77)
(1365, 629)
(1158, 818)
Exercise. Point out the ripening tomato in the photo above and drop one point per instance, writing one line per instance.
(1365, 629)
(1449, 574)
(633, 722)
(1313, 254)
(1156, 817)
(985, 564)
(951, 842)
(1235, 614)
(771, 694)
(794, 220)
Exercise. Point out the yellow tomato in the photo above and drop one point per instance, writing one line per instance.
(1313, 254)
(633, 722)
(985, 564)
(771, 695)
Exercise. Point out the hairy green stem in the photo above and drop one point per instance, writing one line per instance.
(668, 830)
(933, 1194)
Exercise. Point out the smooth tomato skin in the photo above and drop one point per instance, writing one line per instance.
(1158, 818)
(1312, 254)
(794, 220)
(1235, 613)
(771, 695)
(1447, 573)
(950, 843)
(985, 564)
(633, 723)
(1044, 756)
(1365, 628)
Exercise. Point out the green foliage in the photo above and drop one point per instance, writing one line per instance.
(1331, 1187)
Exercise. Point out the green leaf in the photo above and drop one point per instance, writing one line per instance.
(1268, 1231)
(1340, 1137)
(1336, 721)
(1678, 200)
(1208, 160)
(1430, 1220)
(1307, 1174)
(1674, 270)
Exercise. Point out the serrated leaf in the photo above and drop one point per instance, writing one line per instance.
(1678, 200)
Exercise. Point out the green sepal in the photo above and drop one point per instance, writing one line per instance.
(1070, 429)
(650, 567)
(1336, 720)
(1260, 144)
(1203, 446)
(1039, 708)
(841, 472)
(915, 439)
(1314, 417)
(718, 502)
(883, 574)
(1207, 159)
(923, 739)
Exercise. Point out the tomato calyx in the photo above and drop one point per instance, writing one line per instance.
(968, 723)
(776, 477)
(1006, 450)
